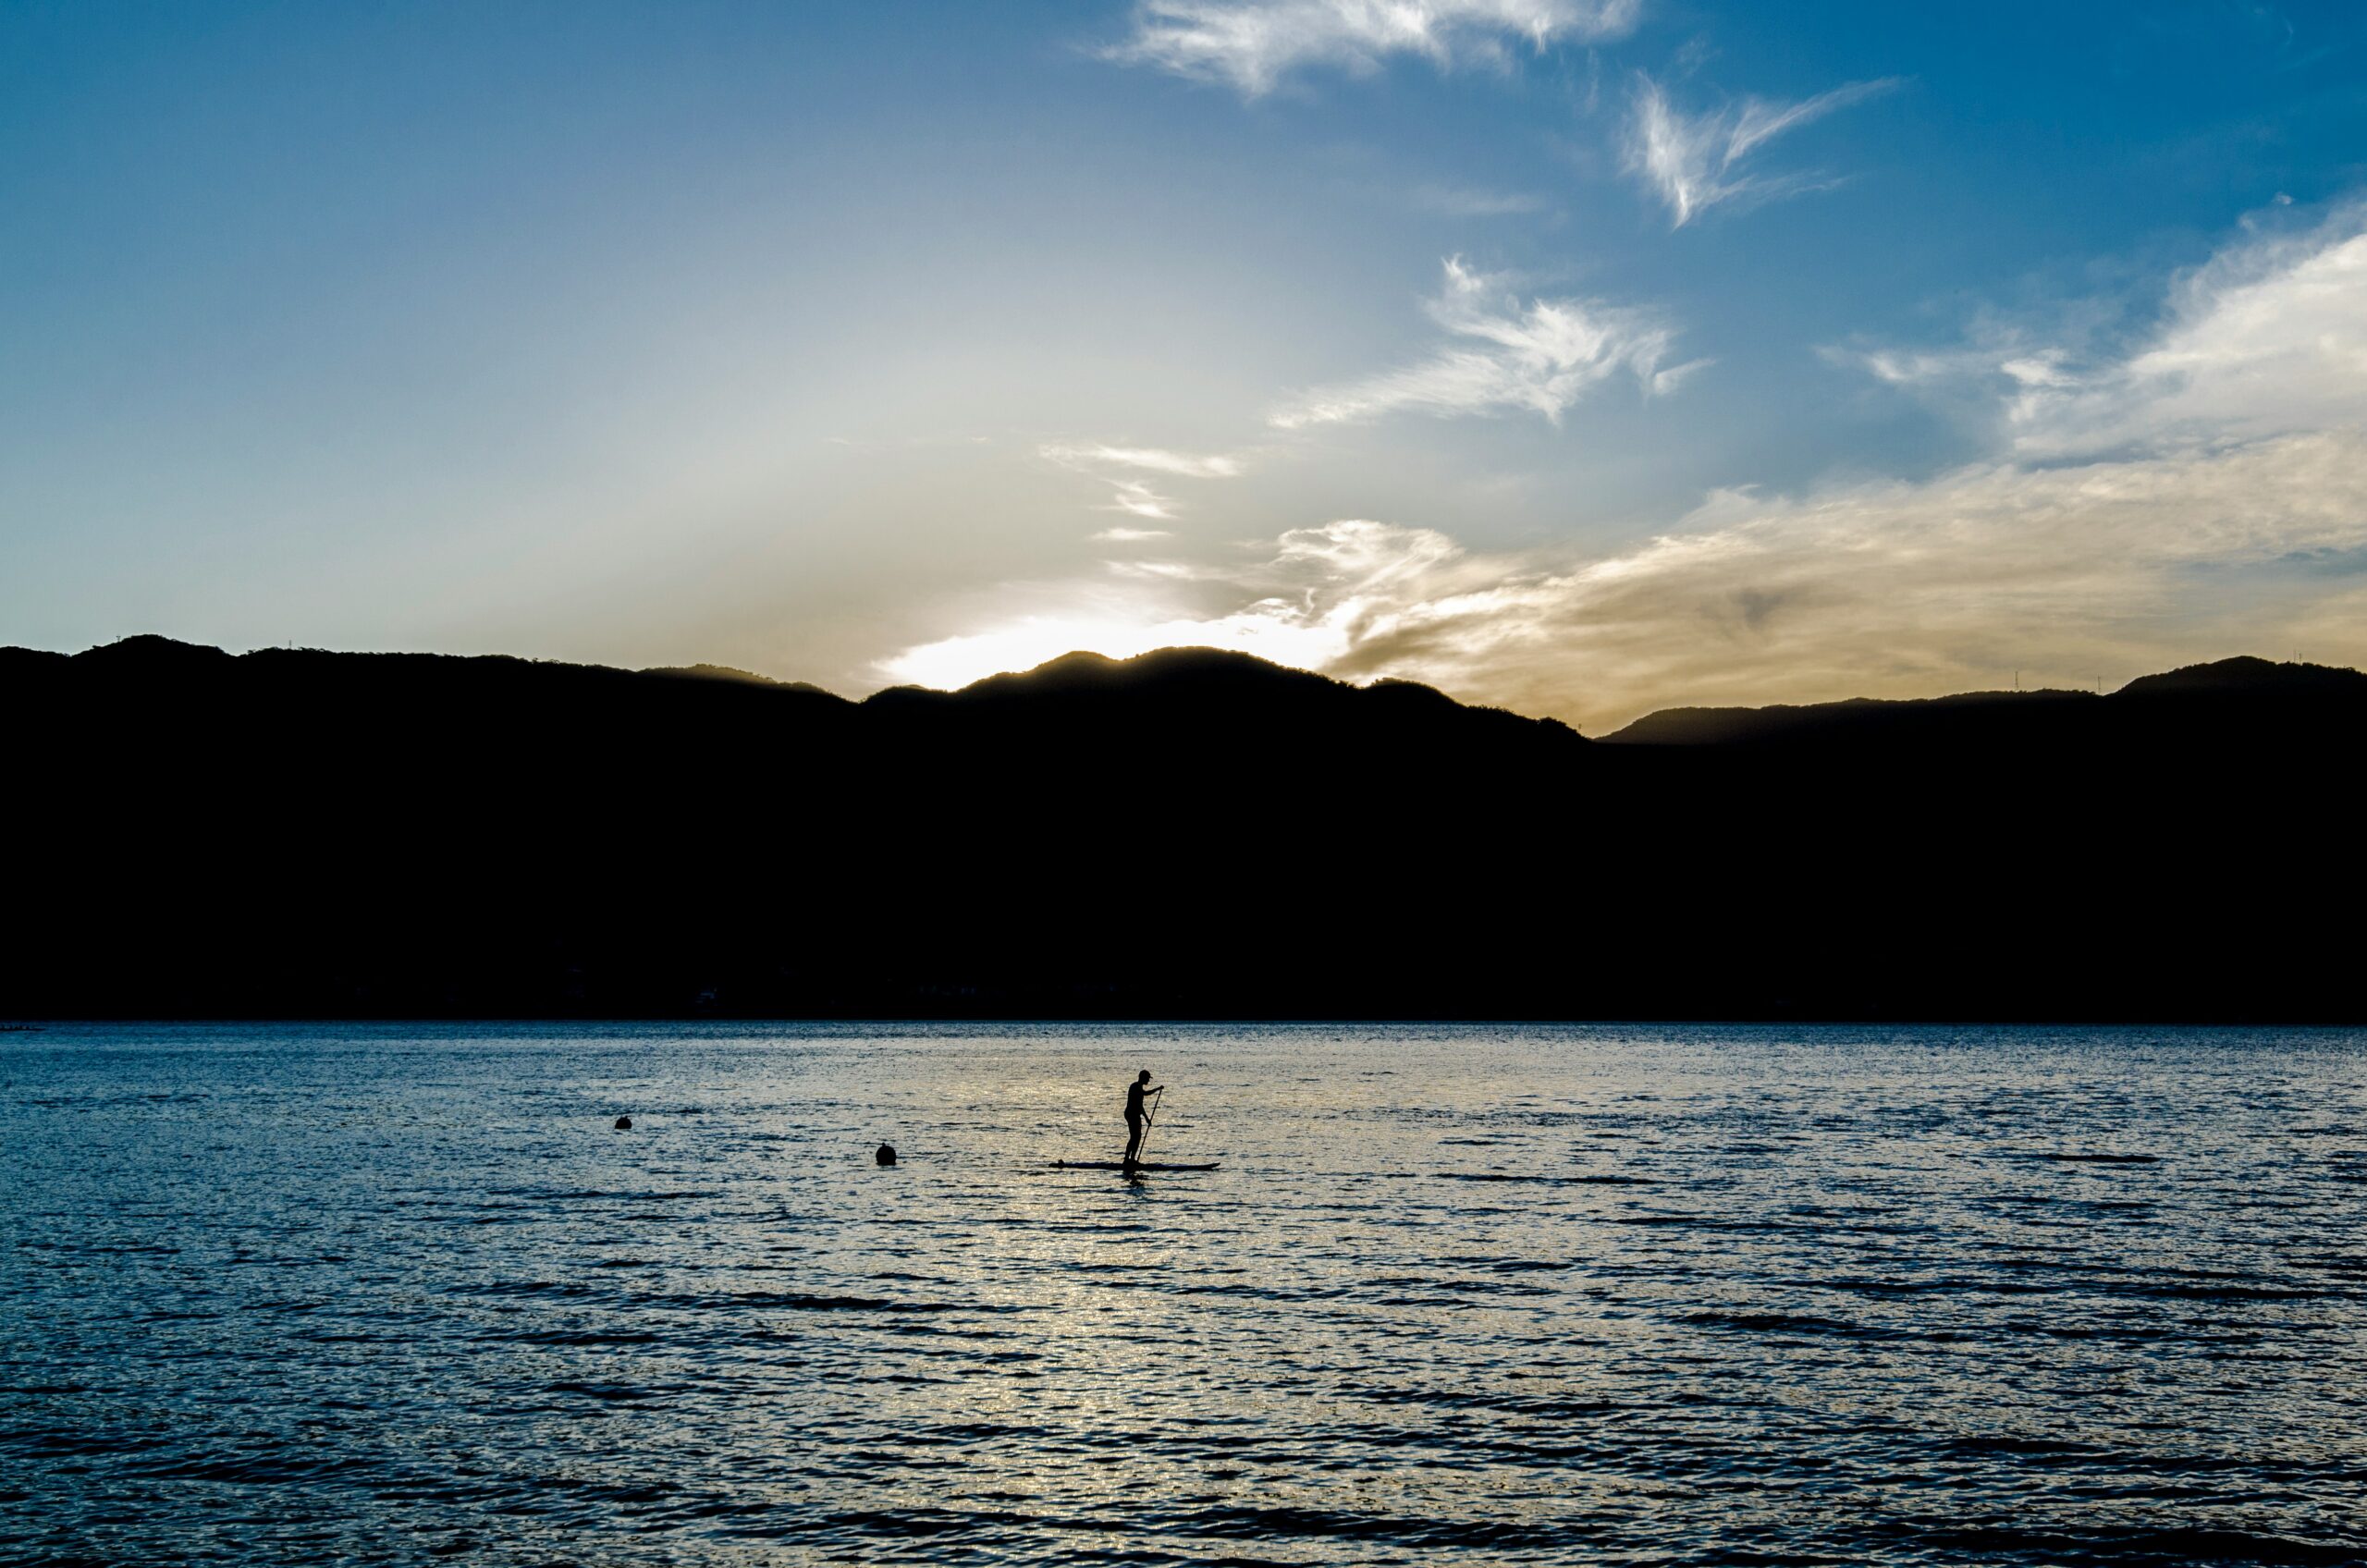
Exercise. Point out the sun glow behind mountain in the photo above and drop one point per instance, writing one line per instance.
(954, 662)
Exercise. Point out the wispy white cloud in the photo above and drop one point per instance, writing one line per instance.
(1252, 44)
(1095, 458)
(1122, 535)
(2203, 494)
(2269, 337)
(1137, 496)
(1694, 162)
(1115, 466)
(1539, 357)
(2010, 357)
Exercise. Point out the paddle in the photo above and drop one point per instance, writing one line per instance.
(1150, 1122)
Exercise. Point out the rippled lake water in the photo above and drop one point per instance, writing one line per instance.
(1461, 1295)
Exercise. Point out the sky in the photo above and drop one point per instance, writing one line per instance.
(1584, 357)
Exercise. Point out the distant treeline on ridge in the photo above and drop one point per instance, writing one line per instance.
(1187, 834)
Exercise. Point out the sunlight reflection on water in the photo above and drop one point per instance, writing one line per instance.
(1493, 1294)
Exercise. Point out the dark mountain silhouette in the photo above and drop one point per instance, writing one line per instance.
(1867, 718)
(725, 672)
(1186, 833)
(2261, 698)
(2251, 678)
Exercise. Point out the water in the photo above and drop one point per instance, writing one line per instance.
(1631, 1295)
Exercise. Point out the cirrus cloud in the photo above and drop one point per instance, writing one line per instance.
(1538, 357)
(1252, 44)
(1116, 466)
(1694, 162)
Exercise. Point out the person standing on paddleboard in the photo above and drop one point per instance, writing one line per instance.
(1134, 1091)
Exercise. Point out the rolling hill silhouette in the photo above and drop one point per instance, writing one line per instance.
(2246, 697)
(1188, 833)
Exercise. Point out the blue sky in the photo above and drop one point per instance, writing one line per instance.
(1583, 355)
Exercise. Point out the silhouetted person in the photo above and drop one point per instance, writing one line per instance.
(1134, 1091)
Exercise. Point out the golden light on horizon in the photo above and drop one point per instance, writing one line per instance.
(1268, 631)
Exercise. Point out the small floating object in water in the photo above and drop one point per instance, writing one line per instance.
(886, 1154)
(624, 1123)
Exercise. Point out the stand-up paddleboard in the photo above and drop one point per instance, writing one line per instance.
(1122, 1165)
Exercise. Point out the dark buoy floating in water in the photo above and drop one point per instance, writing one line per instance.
(887, 1154)
(624, 1123)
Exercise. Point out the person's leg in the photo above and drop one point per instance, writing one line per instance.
(1134, 1137)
